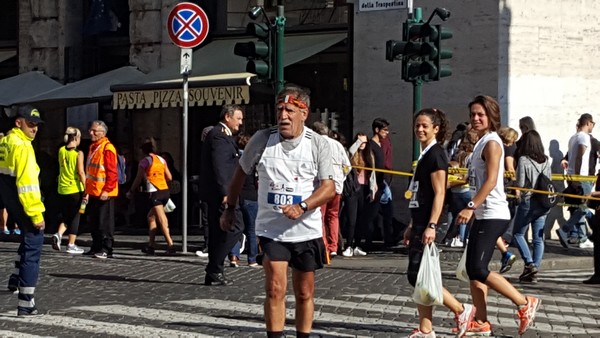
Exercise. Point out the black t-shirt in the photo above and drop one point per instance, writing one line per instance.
(379, 163)
(434, 159)
(509, 151)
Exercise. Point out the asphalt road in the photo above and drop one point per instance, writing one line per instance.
(139, 296)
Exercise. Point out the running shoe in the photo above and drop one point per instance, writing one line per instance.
(587, 244)
(464, 319)
(526, 313)
(21, 311)
(359, 252)
(74, 249)
(348, 252)
(457, 243)
(529, 271)
(507, 261)
(476, 329)
(148, 250)
(201, 253)
(418, 334)
(56, 242)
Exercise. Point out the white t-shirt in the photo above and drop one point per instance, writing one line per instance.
(340, 159)
(289, 171)
(581, 138)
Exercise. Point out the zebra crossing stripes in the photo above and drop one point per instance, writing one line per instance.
(385, 314)
(256, 309)
(496, 304)
(12, 334)
(504, 308)
(95, 327)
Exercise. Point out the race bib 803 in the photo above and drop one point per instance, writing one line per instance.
(283, 199)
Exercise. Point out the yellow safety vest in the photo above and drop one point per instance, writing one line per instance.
(17, 159)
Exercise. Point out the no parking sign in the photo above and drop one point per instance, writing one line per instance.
(187, 25)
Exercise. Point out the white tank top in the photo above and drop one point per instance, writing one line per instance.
(495, 205)
(287, 177)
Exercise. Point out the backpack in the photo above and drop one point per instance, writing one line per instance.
(595, 204)
(544, 183)
(351, 184)
(121, 167)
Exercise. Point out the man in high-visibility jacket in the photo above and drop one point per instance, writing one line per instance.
(101, 188)
(20, 193)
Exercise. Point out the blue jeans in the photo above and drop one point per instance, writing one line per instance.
(530, 212)
(575, 225)
(458, 202)
(249, 211)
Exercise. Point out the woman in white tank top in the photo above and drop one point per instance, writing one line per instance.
(489, 207)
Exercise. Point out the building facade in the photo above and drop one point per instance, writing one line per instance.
(536, 57)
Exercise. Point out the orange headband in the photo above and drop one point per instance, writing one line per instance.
(293, 100)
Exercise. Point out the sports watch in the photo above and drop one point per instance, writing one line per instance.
(432, 226)
(471, 205)
(303, 206)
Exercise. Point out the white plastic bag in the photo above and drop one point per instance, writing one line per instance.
(170, 206)
(461, 269)
(428, 289)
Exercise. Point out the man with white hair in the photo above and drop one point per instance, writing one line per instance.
(101, 189)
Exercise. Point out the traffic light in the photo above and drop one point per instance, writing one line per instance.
(442, 33)
(259, 53)
(416, 52)
(421, 50)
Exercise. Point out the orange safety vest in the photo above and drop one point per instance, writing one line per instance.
(155, 173)
(95, 170)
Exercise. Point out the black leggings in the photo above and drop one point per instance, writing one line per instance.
(70, 211)
(482, 242)
(415, 251)
(354, 208)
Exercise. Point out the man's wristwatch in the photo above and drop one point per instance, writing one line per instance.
(471, 205)
(432, 226)
(303, 206)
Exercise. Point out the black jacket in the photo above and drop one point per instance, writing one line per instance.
(220, 155)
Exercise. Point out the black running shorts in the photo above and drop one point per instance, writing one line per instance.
(303, 256)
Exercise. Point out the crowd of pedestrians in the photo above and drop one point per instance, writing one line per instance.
(295, 197)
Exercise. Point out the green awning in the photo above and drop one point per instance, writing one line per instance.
(23, 86)
(218, 72)
(217, 57)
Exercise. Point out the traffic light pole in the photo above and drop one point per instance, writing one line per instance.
(421, 54)
(279, 36)
(417, 90)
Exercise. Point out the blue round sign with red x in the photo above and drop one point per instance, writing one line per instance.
(187, 25)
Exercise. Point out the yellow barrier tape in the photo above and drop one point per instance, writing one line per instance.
(464, 171)
(555, 177)
(587, 197)
(574, 178)
(385, 171)
(457, 179)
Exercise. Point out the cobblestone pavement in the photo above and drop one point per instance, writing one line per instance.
(140, 296)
